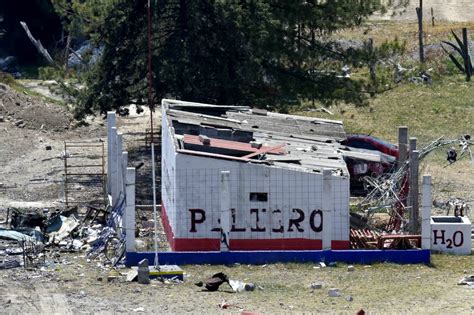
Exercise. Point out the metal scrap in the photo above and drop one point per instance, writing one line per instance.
(389, 191)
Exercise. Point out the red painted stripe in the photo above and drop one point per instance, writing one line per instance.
(338, 245)
(276, 244)
(167, 227)
(196, 244)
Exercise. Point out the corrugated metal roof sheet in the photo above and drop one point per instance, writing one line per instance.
(310, 144)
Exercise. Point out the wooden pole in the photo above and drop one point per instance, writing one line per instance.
(432, 17)
(467, 59)
(372, 63)
(419, 13)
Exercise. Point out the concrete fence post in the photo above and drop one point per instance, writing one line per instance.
(120, 173)
(113, 166)
(414, 191)
(426, 213)
(123, 165)
(402, 145)
(411, 148)
(225, 213)
(328, 213)
(111, 123)
(130, 210)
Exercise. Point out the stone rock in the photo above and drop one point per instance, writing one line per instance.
(350, 268)
(143, 272)
(349, 298)
(48, 148)
(2, 119)
(334, 292)
(18, 122)
(249, 286)
(316, 286)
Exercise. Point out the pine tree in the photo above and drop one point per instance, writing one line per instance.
(260, 53)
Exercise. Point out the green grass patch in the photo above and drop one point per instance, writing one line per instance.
(445, 108)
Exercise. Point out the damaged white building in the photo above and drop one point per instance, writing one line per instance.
(234, 178)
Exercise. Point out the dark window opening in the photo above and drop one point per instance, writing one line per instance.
(258, 196)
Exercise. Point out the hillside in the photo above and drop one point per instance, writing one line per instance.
(452, 11)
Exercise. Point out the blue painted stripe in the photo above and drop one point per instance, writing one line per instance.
(411, 256)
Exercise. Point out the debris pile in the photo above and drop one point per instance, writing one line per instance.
(389, 193)
(459, 206)
(29, 235)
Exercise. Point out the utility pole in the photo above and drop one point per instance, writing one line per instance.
(419, 14)
(150, 96)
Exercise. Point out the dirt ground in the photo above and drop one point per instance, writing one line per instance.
(73, 286)
(444, 10)
(32, 176)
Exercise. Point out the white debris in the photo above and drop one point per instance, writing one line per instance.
(334, 292)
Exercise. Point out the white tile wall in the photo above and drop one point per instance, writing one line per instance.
(194, 183)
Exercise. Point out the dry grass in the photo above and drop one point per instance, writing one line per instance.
(382, 31)
(285, 289)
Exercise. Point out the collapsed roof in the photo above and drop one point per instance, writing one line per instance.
(247, 135)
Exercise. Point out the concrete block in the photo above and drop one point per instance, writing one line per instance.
(451, 234)
(143, 272)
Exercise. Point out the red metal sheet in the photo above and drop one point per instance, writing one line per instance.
(232, 145)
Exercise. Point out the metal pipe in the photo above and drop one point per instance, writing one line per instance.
(157, 265)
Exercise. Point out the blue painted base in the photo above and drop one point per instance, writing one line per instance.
(411, 256)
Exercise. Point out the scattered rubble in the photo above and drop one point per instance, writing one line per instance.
(334, 292)
(30, 235)
(467, 280)
(316, 286)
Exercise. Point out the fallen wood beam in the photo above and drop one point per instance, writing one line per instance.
(263, 151)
